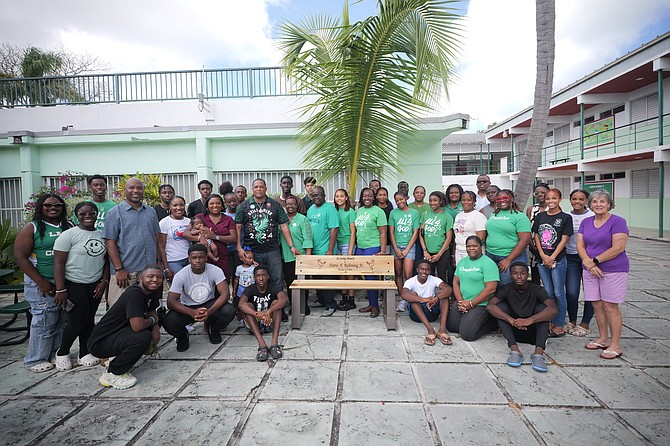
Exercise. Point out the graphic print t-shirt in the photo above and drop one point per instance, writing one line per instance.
(551, 229)
(260, 301)
(261, 223)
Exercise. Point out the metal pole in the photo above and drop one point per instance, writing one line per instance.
(481, 161)
(661, 165)
(581, 139)
(488, 158)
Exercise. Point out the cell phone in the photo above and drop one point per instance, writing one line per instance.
(68, 305)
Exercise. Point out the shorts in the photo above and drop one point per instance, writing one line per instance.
(410, 255)
(612, 288)
(343, 249)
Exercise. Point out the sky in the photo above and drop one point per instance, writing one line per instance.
(496, 67)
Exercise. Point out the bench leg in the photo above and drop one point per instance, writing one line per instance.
(14, 341)
(389, 310)
(297, 308)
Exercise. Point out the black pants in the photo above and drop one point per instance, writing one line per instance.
(126, 345)
(81, 318)
(175, 323)
(233, 262)
(444, 268)
(536, 334)
(471, 325)
(289, 274)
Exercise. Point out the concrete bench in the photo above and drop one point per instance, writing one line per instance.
(336, 266)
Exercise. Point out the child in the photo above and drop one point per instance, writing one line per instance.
(244, 278)
(197, 225)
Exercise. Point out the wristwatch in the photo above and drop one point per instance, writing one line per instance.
(596, 261)
(216, 238)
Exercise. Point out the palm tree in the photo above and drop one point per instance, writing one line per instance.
(372, 80)
(545, 25)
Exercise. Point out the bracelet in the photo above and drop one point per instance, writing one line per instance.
(105, 280)
(166, 270)
(119, 268)
(153, 320)
(64, 290)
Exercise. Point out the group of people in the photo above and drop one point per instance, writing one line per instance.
(460, 257)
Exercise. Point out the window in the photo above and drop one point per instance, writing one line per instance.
(606, 114)
(618, 109)
(589, 120)
(645, 183)
(10, 197)
(644, 109)
(589, 178)
(613, 176)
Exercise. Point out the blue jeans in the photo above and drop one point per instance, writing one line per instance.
(275, 266)
(373, 295)
(46, 328)
(573, 281)
(505, 276)
(553, 280)
(178, 265)
(431, 315)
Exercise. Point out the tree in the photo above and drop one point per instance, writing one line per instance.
(545, 26)
(372, 80)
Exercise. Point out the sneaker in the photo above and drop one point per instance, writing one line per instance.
(316, 305)
(328, 312)
(402, 306)
(190, 328)
(182, 343)
(119, 382)
(215, 336)
(539, 363)
(63, 363)
(241, 324)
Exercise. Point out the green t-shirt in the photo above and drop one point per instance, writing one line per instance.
(502, 231)
(102, 213)
(404, 223)
(86, 254)
(42, 255)
(367, 222)
(346, 219)
(423, 210)
(435, 227)
(322, 219)
(301, 233)
(453, 212)
(473, 274)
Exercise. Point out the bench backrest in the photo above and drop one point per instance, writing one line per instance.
(343, 265)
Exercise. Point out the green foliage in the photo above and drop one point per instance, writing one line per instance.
(7, 237)
(151, 183)
(373, 79)
(67, 190)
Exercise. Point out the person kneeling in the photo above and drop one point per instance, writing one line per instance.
(262, 309)
(523, 310)
(128, 329)
(191, 299)
(428, 298)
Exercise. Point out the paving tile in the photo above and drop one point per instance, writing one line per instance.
(660, 309)
(480, 387)
(379, 381)
(193, 422)
(660, 374)
(528, 387)
(302, 380)
(5, 362)
(653, 426)
(316, 325)
(16, 378)
(244, 339)
(199, 348)
(288, 423)
(226, 379)
(14, 352)
(636, 310)
(393, 424)
(369, 348)
(366, 326)
(569, 350)
(79, 381)
(304, 346)
(24, 421)
(645, 352)
(623, 387)
(247, 353)
(655, 328)
(161, 378)
(493, 424)
(493, 349)
(460, 351)
(590, 426)
(104, 422)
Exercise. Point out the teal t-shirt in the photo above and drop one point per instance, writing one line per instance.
(473, 275)
(367, 222)
(86, 254)
(102, 213)
(453, 212)
(404, 223)
(322, 219)
(502, 231)
(435, 227)
(346, 219)
(301, 233)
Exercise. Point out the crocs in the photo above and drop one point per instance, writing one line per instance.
(514, 359)
(41, 367)
(538, 362)
(63, 363)
(88, 361)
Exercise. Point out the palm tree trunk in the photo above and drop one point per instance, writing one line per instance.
(545, 24)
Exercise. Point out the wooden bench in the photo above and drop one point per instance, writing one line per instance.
(336, 266)
(15, 309)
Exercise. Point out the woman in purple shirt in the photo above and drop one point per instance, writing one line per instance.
(601, 245)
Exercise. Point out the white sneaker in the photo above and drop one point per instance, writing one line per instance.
(190, 328)
(88, 361)
(63, 363)
(119, 382)
(402, 306)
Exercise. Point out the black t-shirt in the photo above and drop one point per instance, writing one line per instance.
(522, 304)
(260, 301)
(161, 212)
(551, 229)
(261, 223)
(132, 303)
(195, 207)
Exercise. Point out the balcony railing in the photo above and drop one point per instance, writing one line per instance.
(628, 138)
(149, 86)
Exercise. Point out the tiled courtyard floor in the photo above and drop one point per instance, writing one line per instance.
(345, 380)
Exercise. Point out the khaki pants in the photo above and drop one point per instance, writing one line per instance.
(115, 291)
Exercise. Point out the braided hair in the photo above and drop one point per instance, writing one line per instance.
(514, 207)
(38, 215)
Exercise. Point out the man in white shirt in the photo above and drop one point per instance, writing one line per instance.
(483, 182)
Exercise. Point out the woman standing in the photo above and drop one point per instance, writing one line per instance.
(540, 193)
(436, 236)
(552, 230)
(382, 201)
(346, 241)
(421, 206)
(371, 231)
(573, 280)
(172, 246)
(601, 244)
(468, 222)
(404, 226)
(508, 234)
(220, 229)
(33, 253)
(475, 282)
(301, 233)
(81, 272)
(454, 194)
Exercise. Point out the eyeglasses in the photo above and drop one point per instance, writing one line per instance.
(87, 214)
(483, 181)
(503, 199)
(52, 205)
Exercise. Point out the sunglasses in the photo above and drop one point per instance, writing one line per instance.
(503, 199)
(87, 214)
(483, 181)
(50, 205)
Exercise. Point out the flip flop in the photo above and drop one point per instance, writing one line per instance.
(444, 338)
(595, 346)
(553, 334)
(610, 354)
(429, 339)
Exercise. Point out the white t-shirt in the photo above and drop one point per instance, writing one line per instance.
(196, 289)
(571, 246)
(465, 225)
(481, 202)
(176, 246)
(423, 290)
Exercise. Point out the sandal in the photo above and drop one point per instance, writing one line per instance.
(515, 359)
(262, 354)
(568, 326)
(63, 362)
(610, 354)
(444, 338)
(276, 351)
(553, 334)
(42, 367)
(90, 360)
(578, 331)
(429, 339)
(595, 346)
